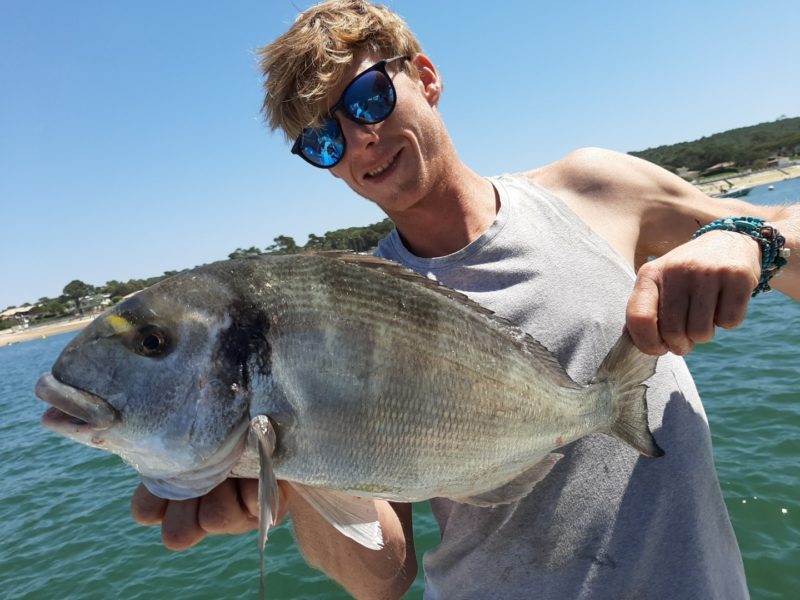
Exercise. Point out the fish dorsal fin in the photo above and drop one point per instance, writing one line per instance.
(352, 516)
(546, 359)
(395, 269)
(517, 488)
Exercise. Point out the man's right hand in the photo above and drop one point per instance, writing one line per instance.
(230, 508)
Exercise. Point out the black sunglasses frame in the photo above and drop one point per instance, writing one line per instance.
(378, 66)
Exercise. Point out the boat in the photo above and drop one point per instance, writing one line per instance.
(735, 192)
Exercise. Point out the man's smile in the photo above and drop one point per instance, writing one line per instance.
(383, 169)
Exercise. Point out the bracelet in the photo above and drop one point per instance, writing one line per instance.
(773, 253)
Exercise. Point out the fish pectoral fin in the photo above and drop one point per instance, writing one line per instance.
(268, 495)
(352, 516)
(517, 488)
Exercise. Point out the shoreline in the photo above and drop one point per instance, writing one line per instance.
(749, 180)
(43, 331)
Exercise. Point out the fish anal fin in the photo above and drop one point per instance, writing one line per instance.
(352, 516)
(517, 488)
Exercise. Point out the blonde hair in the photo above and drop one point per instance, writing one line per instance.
(303, 65)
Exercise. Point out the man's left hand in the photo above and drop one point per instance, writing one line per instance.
(679, 298)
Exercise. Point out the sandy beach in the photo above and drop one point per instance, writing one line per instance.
(42, 331)
(745, 181)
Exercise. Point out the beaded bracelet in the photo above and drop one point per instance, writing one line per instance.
(773, 253)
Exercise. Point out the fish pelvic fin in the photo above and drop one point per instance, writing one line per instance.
(624, 371)
(268, 495)
(352, 516)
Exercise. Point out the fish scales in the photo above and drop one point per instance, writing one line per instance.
(470, 416)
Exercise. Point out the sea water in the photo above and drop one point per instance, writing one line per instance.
(66, 531)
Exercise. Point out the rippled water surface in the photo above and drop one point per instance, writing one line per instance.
(66, 531)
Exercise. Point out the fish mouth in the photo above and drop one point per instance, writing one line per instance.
(73, 411)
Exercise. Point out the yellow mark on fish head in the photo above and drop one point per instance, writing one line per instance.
(118, 323)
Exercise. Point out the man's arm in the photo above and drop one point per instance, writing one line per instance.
(230, 508)
(684, 288)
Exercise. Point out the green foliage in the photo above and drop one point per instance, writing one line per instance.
(47, 309)
(118, 289)
(75, 290)
(748, 147)
(245, 252)
(357, 239)
(284, 244)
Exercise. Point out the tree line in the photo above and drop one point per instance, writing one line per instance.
(78, 297)
(747, 147)
(357, 239)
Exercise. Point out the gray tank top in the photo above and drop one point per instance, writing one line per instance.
(606, 522)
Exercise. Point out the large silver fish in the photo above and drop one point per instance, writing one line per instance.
(360, 378)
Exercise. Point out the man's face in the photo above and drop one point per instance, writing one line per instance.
(390, 162)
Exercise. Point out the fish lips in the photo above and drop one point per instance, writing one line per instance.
(74, 411)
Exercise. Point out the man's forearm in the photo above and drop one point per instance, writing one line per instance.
(787, 222)
(365, 573)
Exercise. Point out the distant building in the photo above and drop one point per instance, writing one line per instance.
(722, 167)
(13, 312)
(780, 162)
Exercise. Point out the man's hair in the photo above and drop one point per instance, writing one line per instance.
(303, 65)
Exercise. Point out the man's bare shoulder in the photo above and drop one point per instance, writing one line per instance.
(598, 174)
(601, 188)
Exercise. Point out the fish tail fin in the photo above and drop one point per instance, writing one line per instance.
(624, 371)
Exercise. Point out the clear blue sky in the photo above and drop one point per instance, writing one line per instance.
(131, 142)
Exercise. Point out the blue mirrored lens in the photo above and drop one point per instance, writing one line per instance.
(323, 146)
(370, 98)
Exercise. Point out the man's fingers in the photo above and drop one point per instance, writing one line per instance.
(732, 303)
(673, 313)
(146, 508)
(222, 510)
(180, 528)
(642, 315)
(248, 492)
(702, 308)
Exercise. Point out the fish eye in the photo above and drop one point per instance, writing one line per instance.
(151, 341)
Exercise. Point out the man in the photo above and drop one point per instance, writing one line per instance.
(563, 252)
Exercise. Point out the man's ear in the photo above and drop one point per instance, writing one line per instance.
(429, 78)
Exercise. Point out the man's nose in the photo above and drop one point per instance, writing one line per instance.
(359, 136)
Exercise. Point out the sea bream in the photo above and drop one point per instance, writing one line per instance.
(360, 378)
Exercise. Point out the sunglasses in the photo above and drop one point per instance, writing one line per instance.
(368, 99)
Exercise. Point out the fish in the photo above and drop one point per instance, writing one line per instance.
(346, 375)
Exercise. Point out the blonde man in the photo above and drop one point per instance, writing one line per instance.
(561, 250)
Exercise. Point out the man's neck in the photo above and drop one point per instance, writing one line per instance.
(456, 213)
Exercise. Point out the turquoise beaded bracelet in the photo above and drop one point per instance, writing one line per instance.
(773, 253)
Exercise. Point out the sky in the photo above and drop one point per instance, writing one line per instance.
(131, 141)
